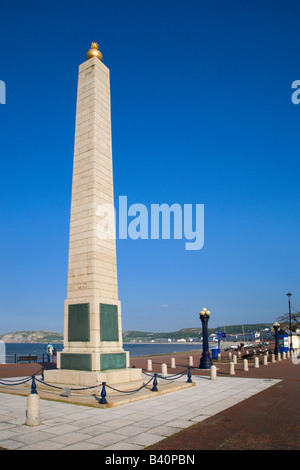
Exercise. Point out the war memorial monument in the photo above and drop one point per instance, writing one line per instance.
(93, 351)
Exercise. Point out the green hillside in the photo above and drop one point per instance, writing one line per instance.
(192, 332)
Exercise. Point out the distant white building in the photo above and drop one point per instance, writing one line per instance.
(181, 340)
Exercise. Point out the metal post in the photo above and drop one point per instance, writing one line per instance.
(206, 360)
(189, 375)
(276, 328)
(103, 394)
(219, 338)
(290, 320)
(154, 388)
(33, 386)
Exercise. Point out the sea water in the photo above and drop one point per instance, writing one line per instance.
(14, 350)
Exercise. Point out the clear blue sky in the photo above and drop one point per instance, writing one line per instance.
(201, 113)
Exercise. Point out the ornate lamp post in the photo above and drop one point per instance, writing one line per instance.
(290, 319)
(206, 360)
(276, 328)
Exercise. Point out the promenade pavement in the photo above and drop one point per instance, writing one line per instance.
(258, 409)
(269, 420)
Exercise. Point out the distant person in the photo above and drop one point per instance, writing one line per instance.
(50, 352)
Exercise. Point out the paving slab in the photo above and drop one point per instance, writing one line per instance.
(131, 426)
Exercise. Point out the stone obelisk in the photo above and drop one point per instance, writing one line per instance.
(93, 349)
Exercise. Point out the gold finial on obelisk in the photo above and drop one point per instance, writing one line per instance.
(94, 52)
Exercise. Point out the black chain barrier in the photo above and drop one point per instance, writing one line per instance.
(20, 381)
(103, 393)
(130, 391)
(15, 383)
(63, 388)
(172, 377)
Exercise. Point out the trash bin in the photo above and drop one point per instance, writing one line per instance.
(214, 353)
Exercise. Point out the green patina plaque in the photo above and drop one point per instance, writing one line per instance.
(109, 330)
(79, 322)
(112, 361)
(75, 361)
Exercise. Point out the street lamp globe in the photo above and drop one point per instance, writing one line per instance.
(204, 311)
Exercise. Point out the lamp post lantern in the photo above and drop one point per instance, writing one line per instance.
(276, 328)
(290, 320)
(206, 360)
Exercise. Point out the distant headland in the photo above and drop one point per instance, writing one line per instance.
(185, 334)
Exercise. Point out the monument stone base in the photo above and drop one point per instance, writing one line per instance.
(88, 379)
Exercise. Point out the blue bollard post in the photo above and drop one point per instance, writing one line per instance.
(189, 375)
(103, 395)
(43, 378)
(33, 386)
(154, 388)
